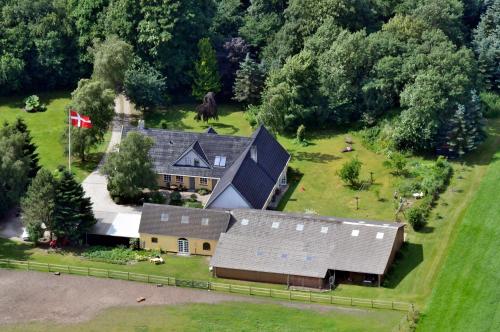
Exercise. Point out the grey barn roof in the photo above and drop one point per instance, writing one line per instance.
(172, 222)
(304, 245)
(253, 180)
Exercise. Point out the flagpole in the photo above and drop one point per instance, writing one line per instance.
(69, 139)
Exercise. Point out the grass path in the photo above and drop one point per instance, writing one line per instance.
(467, 292)
(47, 128)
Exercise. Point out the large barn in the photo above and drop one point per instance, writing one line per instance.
(305, 250)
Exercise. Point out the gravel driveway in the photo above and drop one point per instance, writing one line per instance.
(26, 296)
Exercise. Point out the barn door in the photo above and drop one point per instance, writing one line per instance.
(191, 183)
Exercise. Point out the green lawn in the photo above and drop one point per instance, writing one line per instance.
(226, 317)
(47, 128)
(467, 292)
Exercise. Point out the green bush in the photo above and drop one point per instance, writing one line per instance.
(491, 104)
(175, 198)
(349, 173)
(33, 104)
(163, 124)
(416, 217)
(251, 115)
(118, 255)
(155, 197)
(203, 191)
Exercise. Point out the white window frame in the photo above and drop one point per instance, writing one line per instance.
(179, 179)
(183, 246)
(167, 178)
(204, 181)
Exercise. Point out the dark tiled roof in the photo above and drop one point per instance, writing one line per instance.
(196, 147)
(170, 145)
(255, 180)
(152, 223)
(305, 245)
(211, 130)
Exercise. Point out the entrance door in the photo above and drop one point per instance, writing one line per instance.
(183, 246)
(191, 183)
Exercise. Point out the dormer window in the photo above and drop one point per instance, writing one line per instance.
(253, 153)
(196, 163)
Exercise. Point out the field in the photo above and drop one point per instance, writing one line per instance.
(165, 308)
(467, 292)
(47, 128)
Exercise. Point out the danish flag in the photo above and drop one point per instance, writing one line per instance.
(80, 121)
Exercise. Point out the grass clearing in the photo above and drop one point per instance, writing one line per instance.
(221, 317)
(47, 128)
(467, 292)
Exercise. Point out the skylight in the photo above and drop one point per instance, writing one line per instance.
(260, 253)
(220, 161)
(244, 222)
(164, 217)
(204, 221)
(380, 235)
(309, 258)
(185, 220)
(300, 227)
(275, 224)
(284, 256)
(324, 229)
(355, 232)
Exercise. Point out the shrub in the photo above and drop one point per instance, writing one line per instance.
(349, 173)
(163, 124)
(193, 198)
(175, 198)
(33, 104)
(251, 115)
(203, 191)
(491, 104)
(416, 217)
(397, 162)
(155, 197)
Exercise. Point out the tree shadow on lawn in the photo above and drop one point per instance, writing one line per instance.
(91, 161)
(217, 125)
(315, 157)
(173, 117)
(10, 249)
(293, 183)
(407, 259)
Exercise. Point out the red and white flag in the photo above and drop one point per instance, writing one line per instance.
(80, 121)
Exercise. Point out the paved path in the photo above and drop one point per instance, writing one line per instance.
(26, 296)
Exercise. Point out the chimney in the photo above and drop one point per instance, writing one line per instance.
(253, 153)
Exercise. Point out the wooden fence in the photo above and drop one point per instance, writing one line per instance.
(294, 295)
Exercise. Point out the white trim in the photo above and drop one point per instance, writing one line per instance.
(276, 185)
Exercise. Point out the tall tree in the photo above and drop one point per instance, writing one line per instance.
(112, 58)
(249, 81)
(72, 215)
(130, 170)
(93, 99)
(206, 76)
(14, 168)
(38, 204)
(145, 86)
(487, 46)
(29, 148)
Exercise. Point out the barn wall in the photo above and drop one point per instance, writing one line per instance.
(398, 242)
(169, 244)
(273, 278)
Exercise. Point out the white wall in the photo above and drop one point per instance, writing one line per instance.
(229, 199)
(188, 160)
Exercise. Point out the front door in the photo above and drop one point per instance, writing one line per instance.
(183, 246)
(191, 183)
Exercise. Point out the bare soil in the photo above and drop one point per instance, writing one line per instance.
(37, 296)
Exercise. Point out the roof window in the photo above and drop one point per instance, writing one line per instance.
(284, 256)
(185, 220)
(220, 161)
(324, 229)
(309, 258)
(244, 222)
(164, 216)
(380, 235)
(275, 224)
(204, 221)
(300, 227)
(355, 232)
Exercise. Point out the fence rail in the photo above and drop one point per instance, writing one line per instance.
(292, 295)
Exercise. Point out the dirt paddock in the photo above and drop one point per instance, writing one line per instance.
(26, 296)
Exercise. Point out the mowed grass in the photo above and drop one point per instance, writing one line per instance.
(467, 292)
(47, 129)
(226, 317)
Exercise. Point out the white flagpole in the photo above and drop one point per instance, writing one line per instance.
(69, 139)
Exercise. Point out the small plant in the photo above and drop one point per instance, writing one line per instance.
(193, 198)
(32, 104)
(163, 124)
(349, 173)
(397, 162)
(203, 191)
(301, 135)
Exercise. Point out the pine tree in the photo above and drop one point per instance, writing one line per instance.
(38, 204)
(29, 148)
(206, 76)
(249, 81)
(73, 215)
(465, 128)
